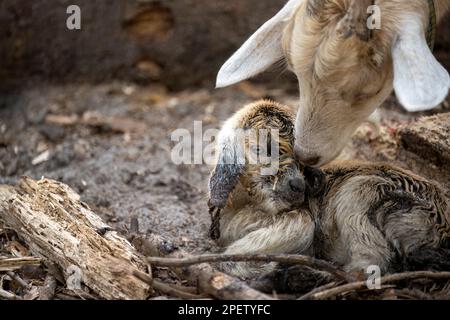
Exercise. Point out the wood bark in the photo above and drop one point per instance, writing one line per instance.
(57, 227)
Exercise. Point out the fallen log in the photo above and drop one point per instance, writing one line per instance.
(57, 227)
(8, 295)
(208, 280)
(362, 285)
(429, 138)
(17, 279)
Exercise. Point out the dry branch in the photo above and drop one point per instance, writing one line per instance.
(18, 279)
(362, 285)
(310, 294)
(10, 264)
(97, 120)
(413, 294)
(175, 292)
(168, 289)
(8, 295)
(50, 218)
(209, 281)
(281, 258)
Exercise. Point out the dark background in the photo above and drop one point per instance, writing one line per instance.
(180, 43)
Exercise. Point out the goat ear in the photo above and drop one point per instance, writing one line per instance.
(420, 82)
(230, 164)
(259, 52)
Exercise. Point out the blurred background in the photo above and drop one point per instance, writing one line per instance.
(95, 108)
(179, 43)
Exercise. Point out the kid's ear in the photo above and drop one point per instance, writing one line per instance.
(229, 166)
(225, 176)
(260, 51)
(221, 183)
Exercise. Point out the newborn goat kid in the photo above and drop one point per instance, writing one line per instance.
(260, 213)
(353, 214)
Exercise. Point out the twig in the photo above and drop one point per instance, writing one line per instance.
(208, 280)
(310, 294)
(413, 294)
(281, 258)
(63, 296)
(8, 295)
(355, 286)
(191, 290)
(39, 209)
(166, 288)
(171, 291)
(18, 279)
(79, 293)
(143, 276)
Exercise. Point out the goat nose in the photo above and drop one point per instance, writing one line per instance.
(297, 185)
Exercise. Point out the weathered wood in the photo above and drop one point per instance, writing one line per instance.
(429, 138)
(17, 279)
(8, 295)
(168, 289)
(208, 280)
(362, 285)
(50, 218)
(47, 291)
(9, 264)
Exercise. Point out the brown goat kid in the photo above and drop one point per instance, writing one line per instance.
(346, 69)
(353, 214)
